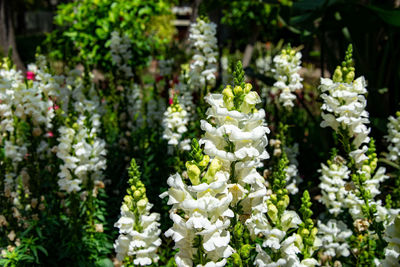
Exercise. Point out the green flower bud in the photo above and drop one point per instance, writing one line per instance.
(247, 88)
(349, 77)
(286, 200)
(238, 90)
(337, 75)
(245, 251)
(314, 232)
(238, 229)
(305, 232)
(273, 198)
(237, 261)
(204, 161)
(137, 194)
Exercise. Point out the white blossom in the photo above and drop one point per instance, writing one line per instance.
(204, 63)
(288, 80)
(121, 54)
(175, 124)
(393, 138)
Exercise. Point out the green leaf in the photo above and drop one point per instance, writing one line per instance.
(391, 17)
(105, 262)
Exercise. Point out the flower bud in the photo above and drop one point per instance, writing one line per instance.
(193, 172)
(215, 166)
(238, 90)
(228, 97)
(272, 212)
(247, 88)
(337, 75)
(245, 251)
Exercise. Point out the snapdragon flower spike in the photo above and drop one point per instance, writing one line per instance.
(393, 138)
(392, 251)
(200, 212)
(175, 122)
(80, 148)
(344, 108)
(288, 80)
(334, 236)
(139, 231)
(121, 54)
(204, 64)
(278, 247)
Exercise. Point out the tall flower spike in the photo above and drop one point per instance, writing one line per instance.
(204, 64)
(393, 138)
(174, 122)
(200, 212)
(288, 80)
(344, 107)
(139, 231)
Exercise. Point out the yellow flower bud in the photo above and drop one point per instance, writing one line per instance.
(193, 172)
(247, 88)
(272, 212)
(238, 90)
(215, 166)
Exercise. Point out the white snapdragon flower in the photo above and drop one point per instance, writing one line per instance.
(334, 235)
(175, 122)
(139, 233)
(121, 54)
(392, 251)
(155, 109)
(165, 66)
(393, 138)
(239, 138)
(334, 178)
(288, 80)
(135, 110)
(344, 108)
(206, 214)
(204, 64)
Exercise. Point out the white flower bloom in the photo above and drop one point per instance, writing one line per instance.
(203, 40)
(174, 122)
(344, 107)
(121, 54)
(207, 213)
(139, 237)
(393, 138)
(287, 65)
(334, 178)
(165, 66)
(334, 235)
(392, 251)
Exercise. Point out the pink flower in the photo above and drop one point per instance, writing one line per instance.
(50, 134)
(170, 101)
(30, 75)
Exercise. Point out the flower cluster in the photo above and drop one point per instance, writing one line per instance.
(200, 212)
(121, 53)
(393, 138)
(334, 237)
(204, 64)
(174, 122)
(80, 148)
(139, 231)
(288, 80)
(344, 107)
(392, 251)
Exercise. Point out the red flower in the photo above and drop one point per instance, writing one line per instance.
(50, 134)
(159, 78)
(170, 101)
(30, 75)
